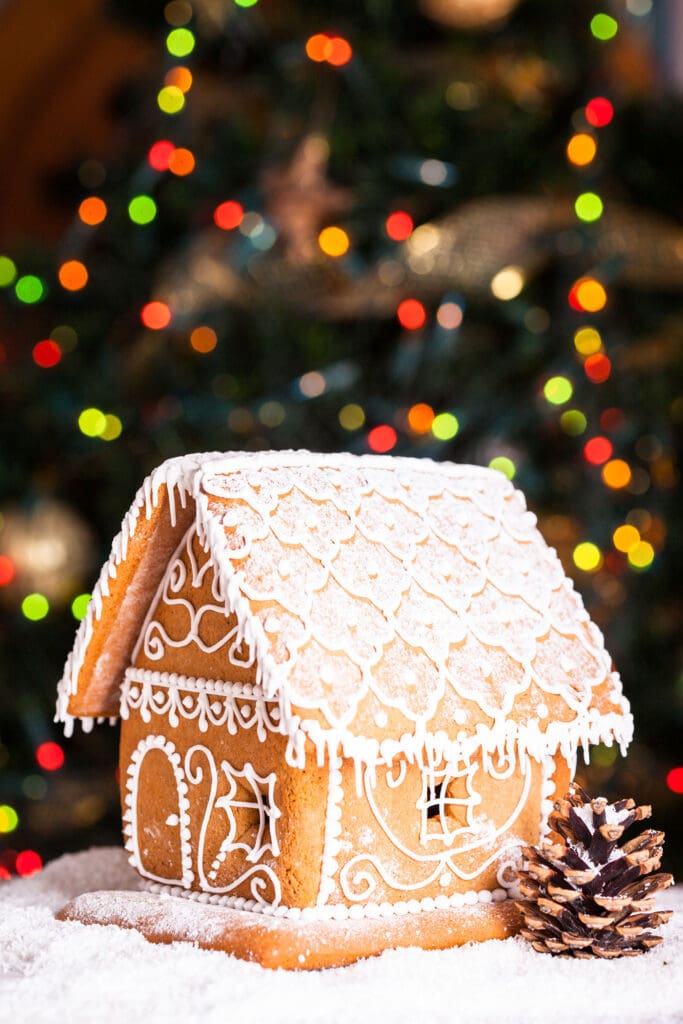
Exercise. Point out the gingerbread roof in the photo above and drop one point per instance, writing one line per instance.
(389, 604)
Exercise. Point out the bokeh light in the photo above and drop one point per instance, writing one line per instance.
(587, 295)
(181, 162)
(445, 426)
(9, 819)
(558, 390)
(674, 779)
(581, 149)
(598, 367)
(180, 42)
(573, 422)
(641, 555)
(228, 215)
(35, 607)
(92, 422)
(333, 241)
(504, 465)
(334, 50)
(604, 26)
(382, 439)
(588, 207)
(625, 537)
(599, 112)
(203, 339)
(28, 862)
(312, 384)
(508, 283)
(142, 209)
(597, 450)
(351, 416)
(616, 474)
(46, 353)
(92, 210)
(7, 570)
(73, 275)
(178, 12)
(79, 606)
(50, 756)
(449, 315)
(29, 289)
(180, 77)
(113, 428)
(399, 225)
(420, 418)
(411, 314)
(170, 99)
(587, 556)
(159, 154)
(8, 271)
(156, 315)
(587, 341)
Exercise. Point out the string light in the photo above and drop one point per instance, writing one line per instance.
(180, 77)
(159, 154)
(625, 537)
(35, 607)
(113, 428)
(170, 99)
(616, 474)
(399, 225)
(92, 422)
(382, 439)
(50, 756)
(445, 426)
(46, 354)
(228, 215)
(92, 210)
(156, 315)
(587, 556)
(587, 295)
(587, 341)
(323, 48)
(351, 416)
(73, 275)
(641, 555)
(411, 314)
(581, 149)
(598, 368)
(333, 241)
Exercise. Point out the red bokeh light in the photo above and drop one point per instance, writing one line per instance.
(399, 225)
(599, 112)
(339, 51)
(156, 315)
(228, 215)
(4, 874)
(597, 450)
(46, 353)
(674, 780)
(382, 439)
(28, 862)
(598, 367)
(160, 154)
(50, 756)
(7, 570)
(612, 418)
(411, 314)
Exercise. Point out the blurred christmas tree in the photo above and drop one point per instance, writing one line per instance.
(441, 229)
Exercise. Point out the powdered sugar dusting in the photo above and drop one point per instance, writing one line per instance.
(52, 971)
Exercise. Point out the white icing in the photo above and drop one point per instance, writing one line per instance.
(333, 829)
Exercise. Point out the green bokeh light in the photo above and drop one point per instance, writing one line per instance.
(504, 465)
(29, 289)
(35, 607)
(8, 271)
(604, 26)
(445, 426)
(180, 42)
(142, 209)
(588, 206)
(79, 606)
(558, 390)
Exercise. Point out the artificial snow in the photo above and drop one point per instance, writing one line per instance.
(54, 971)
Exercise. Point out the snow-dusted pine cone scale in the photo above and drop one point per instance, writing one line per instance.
(584, 894)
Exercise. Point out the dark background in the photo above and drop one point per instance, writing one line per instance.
(455, 112)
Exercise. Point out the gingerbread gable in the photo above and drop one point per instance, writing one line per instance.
(389, 605)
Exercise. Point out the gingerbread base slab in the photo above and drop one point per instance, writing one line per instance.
(282, 942)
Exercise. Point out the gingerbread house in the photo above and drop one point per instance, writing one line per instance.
(349, 688)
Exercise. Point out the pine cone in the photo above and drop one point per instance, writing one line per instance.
(585, 895)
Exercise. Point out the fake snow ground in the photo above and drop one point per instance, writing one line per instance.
(55, 971)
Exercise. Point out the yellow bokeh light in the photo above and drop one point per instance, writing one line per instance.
(352, 416)
(641, 555)
(504, 465)
(587, 556)
(558, 390)
(508, 283)
(112, 429)
(581, 149)
(92, 422)
(333, 241)
(591, 295)
(573, 422)
(587, 341)
(625, 537)
(445, 426)
(171, 99)
(616, 473)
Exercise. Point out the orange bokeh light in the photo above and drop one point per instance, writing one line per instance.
(203, 339)
(92, 210)
(73, 275)
(616, 473)
(228, 215)
(334, 50)
(581, 149)
(181, 162)
(420, 418)
(156, 315)
(180, 77)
